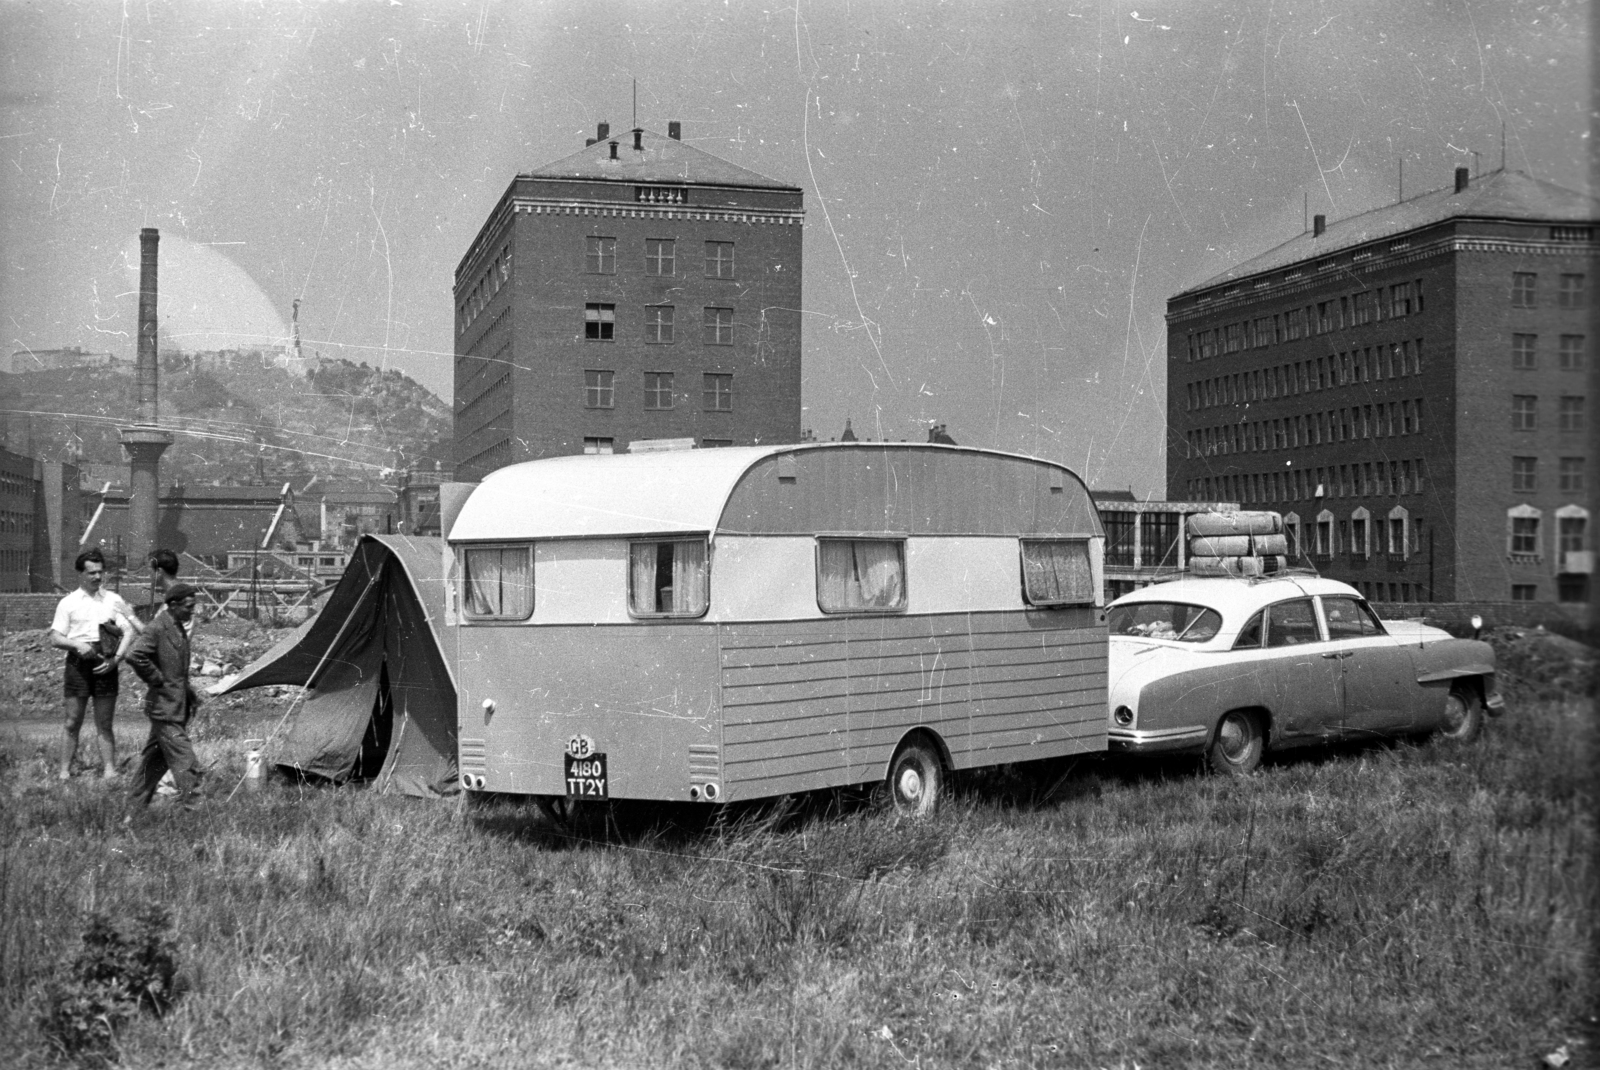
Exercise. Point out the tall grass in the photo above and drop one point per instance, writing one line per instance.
(1406, 905)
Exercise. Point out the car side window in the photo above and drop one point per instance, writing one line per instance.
(1349, 618)
(1291, 623)
(1250, 634)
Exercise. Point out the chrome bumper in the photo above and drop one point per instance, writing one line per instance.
(1156, 740)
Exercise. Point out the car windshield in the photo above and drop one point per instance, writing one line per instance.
(1165, 620)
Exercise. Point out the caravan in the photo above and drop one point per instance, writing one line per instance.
(729, 624)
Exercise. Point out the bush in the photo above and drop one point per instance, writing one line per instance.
(120, 970)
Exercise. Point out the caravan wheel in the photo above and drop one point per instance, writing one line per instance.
(916, 778)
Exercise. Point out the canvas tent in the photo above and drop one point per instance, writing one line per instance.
(381, 700)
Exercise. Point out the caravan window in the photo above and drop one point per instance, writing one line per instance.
(497, 582)
(667, 579)
(861, 575)
(1056, 572)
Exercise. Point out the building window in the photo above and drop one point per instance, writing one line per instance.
(1056, 572)
(600, 256)
(716, 392)
(660, 257)
(1524, 412)
(1571, 415)
(1571, 475)
(1524, 352)
(1523, 531)
(1572, 528)
(861, 575)
(719, 259)
(718, 323)
(599, 322)
(667, 579)
(1524, 473)
(497, 582)
(1359, 524)
(1572, 352)
(658, 323)
(1398, 522)
(1573, 587)
(1524, 592)
(1400, 300)
(1571, 293)
(599, 389)
(658, 390)
(1324, 542)
(1522, 289)
(598, 446)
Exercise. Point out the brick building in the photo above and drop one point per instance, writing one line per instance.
(347, 509)
(638, 289)
(1409, 387)
(39, 523)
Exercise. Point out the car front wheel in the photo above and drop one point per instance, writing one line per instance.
(1463, 715)
(1238, 744)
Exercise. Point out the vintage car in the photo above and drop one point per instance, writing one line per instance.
(1228, 667)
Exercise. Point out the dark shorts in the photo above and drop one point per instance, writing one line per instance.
(80, 681)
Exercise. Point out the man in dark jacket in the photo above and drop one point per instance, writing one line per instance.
(160, 657)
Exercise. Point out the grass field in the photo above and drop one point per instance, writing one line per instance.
(1387, 906)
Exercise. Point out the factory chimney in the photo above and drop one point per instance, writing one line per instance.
(145, 442)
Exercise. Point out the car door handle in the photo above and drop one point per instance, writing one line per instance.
(1339, 654)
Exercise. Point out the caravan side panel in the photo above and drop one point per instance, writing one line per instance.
(810, 705)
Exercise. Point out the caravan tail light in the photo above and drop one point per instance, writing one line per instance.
(471, 782)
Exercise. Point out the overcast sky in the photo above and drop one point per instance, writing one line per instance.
(1000, 197)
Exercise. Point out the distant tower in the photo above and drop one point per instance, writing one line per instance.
(145, 442)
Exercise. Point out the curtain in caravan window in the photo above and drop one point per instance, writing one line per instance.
(860, 574)
(1056, 572)
(667, 578)
(497, 582)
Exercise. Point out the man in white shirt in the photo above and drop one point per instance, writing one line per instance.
(89, 672)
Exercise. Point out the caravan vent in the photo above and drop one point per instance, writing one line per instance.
(474, 756)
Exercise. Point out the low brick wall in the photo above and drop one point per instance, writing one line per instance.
(22, 612)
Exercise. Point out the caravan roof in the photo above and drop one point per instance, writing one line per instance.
(838, 488)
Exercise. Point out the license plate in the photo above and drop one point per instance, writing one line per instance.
(586, 777)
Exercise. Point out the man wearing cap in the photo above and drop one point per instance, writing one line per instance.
(160, 657)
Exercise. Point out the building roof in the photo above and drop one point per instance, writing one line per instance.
(662, 159)
(1498, 195)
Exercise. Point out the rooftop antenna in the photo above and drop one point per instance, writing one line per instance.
(636, 103)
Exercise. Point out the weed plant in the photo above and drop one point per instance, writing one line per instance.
(1406, 905)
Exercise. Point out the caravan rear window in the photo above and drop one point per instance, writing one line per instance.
(861, 575)
(667, 579)
(497, 582)
(1056, 572)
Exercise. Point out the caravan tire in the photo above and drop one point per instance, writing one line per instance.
(916, 778)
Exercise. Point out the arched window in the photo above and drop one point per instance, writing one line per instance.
(1360, 532)
(1523, 534)
(1398, 536)
(1291, 528)
(1572, 529)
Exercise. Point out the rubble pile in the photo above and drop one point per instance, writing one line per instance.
(1538, 664)
(30, 668)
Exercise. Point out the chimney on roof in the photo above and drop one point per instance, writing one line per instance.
(613, 150)
(602, 131)
(1319, 223)
(638, 139)
(588, 141)
(675, 130)
(1462, 176)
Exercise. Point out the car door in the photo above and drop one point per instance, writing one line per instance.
(1377, 672)
(1307, 683)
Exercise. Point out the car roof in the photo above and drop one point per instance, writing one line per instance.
(1234, 594)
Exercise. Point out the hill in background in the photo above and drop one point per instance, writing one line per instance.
(237, 417)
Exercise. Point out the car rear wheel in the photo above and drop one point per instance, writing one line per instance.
(916, 778)
(1238, 744)
(1463, 715)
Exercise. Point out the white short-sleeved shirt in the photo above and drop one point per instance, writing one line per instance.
(80, 614)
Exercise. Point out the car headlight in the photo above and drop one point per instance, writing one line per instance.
(1123, 716)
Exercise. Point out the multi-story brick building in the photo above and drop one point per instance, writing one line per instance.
(638, 289)
(39, 523)
(1410, 388)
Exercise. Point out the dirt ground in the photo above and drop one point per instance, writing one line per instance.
(30, 688)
